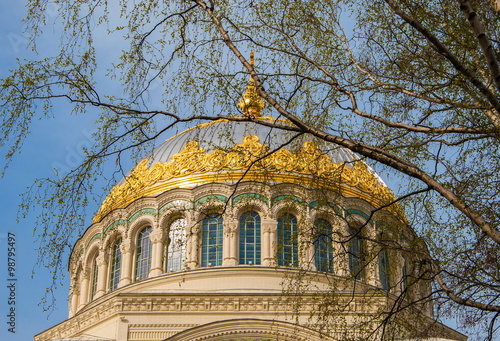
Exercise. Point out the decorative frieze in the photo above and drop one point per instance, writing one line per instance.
(144, 211)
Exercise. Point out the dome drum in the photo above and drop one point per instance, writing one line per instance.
(209, 233)
(275, 259)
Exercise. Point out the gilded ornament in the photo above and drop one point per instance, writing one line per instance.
(251, 103)
(252, 160)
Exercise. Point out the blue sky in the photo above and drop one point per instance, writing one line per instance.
(53, 143)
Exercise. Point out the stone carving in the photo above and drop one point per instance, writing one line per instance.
(156, 236)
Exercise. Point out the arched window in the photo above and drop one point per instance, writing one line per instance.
(211, 241)
(250, 238)
(116, 264)
(404, 275)
(323, 250)
(143, 252)
(383, 269)
(288, 251)
(356, 255)
(93, 277)
(176, 250)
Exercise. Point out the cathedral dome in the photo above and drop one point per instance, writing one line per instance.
(233, 230)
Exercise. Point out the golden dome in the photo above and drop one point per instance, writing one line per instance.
(229, 151)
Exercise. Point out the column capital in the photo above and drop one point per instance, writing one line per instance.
(230, 228)
(156, 236)
(126, 246)
(102, 259)
(85, 273)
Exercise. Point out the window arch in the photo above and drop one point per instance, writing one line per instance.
(143, 253)
(116, 264)
(383, 269)
(211, 241)
(288, 251)
(93, 277)
(176, 249)
(250, 240)
(323, 250)
(356, 254)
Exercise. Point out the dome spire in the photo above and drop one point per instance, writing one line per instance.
(251, 103)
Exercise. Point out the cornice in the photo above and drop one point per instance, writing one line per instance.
(123, 304)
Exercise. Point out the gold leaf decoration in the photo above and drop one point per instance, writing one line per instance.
(251, 157)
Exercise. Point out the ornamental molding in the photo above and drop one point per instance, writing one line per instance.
(145, 211)
(176, 204)
(210, 200)
(253, 158)
(113, 225)
(96, 236)
(249, 196)
(272, 305)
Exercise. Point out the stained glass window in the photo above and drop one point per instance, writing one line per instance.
(288, 251)
(116, 263)
(143, 253)
(93, 278)
(356, 255)
(383, 269)
(211, 241)
(404, 274)
(176, 250)
(250, 238)
(323, 250)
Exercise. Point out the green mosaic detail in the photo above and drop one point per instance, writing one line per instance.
(175, 203)
(288, 198)
(380, 224)
(144, 211)
(353, 211)
(122, 222)
(210, 197)
(247, 196)
(315, 204)
(94, 237)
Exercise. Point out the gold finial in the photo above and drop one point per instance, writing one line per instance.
(251, 103)
(252, 64)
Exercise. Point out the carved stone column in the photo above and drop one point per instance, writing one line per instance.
(74, 297)
(340, 248)
(84, 287)
(230, 243)
(158, 250)
(127, 249)
(269, 242)
(306, 246)
(371, 270)
(192, 248)
(102, 273)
